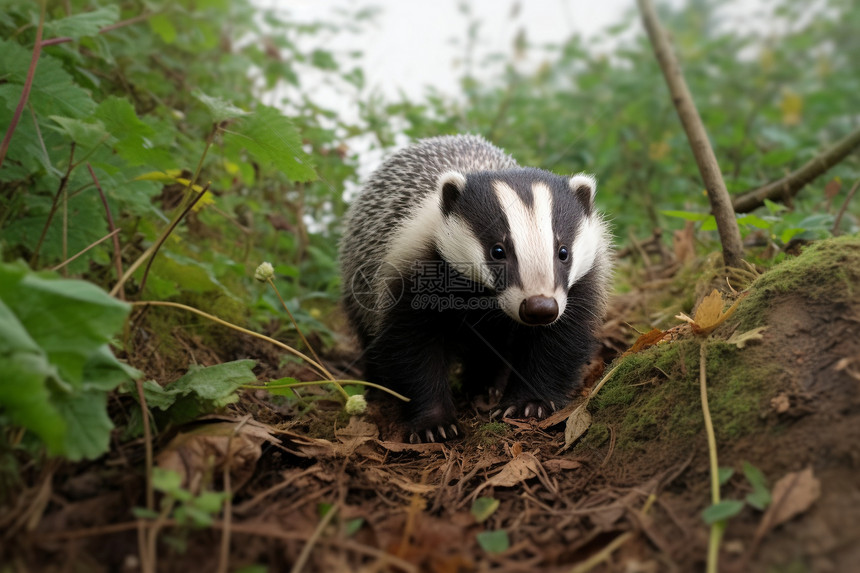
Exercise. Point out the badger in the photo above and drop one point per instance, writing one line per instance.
(454, 253)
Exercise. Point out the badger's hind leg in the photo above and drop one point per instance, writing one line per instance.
(412, 361)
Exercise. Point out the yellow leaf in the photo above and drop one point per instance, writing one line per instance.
(791, 107)
(708, 313)
(168, 176)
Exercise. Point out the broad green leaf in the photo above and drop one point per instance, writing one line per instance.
(69, 319)
(323, 59)
(722, 511)
(352, 526)
(218, 108)
(88, 427)
(754, 221)
(483, 508)
(215, 382)
(725, 474)
(272, 139)
(84, 133)
(83, 24)
(494, 541)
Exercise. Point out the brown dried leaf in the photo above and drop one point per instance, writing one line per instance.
(419, 448)
(741, 338)
(561, 464)
(709, 313)
(523, 467)
(792, 495)
(780, 403)
(210, 447)
(646, 340)
(577, 424)
(832, 188)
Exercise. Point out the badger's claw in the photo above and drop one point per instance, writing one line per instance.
(439, 433)
(528, 409)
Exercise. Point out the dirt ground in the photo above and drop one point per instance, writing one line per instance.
(627, 497)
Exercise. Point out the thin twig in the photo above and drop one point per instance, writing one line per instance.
(296, 326)
(842, 209)
(85, 249)
(63, 182)
(166, 234)
(28, 84)
(706, 160)
(306, 550)
(117, 255)
(147, 445)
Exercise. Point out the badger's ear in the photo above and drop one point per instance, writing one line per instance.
(584, 186)
(450, 186)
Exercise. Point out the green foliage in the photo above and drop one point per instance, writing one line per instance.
(770, 103)
(722, 511)
(483, 508)
(187, 509)
(200, 391)
(54, 354)
(494, 541)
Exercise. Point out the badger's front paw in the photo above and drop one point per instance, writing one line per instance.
(539, 409)
(434, 432)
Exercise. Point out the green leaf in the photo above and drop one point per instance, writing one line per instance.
(88, 426)
(84, 24)
(323, 59)
(215, 382)
(725, 475)
(272, 139)
(352, 526)
(166, 481)
(483, 508)
(722, 511)
(686, 215)
(85, 134)
(494, 541)
(754, 221)
(162, 24)
(760, 496)
(218, 108)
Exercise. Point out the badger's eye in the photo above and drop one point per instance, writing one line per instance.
(497, 251)
(563, 254)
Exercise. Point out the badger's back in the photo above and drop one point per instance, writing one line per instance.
(383, 226)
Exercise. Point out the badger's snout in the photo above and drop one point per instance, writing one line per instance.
(538, 310)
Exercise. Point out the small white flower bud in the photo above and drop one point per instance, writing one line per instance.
(264, 272)
(356, 405)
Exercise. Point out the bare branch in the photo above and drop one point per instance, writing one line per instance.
(791, 184)
(718, 195)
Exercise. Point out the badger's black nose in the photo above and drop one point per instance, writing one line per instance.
(538, 310)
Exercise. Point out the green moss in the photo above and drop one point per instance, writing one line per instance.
(596, 436)
(489, 433)
(825, 271)
(670, 408)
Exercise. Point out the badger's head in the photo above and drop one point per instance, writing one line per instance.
(525, 233)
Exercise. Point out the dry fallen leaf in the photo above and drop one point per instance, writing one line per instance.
(577, 424)
(709, 314)
(741, 338)
(646, 340)
(209, 447)
(780, 403)
(792, 495)
(560, 464)
(524, 466)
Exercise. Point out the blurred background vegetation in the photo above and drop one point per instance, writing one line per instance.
(149, 93)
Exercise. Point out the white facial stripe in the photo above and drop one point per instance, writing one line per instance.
(589, 239)
(413, 237)
(532, 236)
(459, 246)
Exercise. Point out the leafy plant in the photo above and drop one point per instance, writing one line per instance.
(57, 366)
